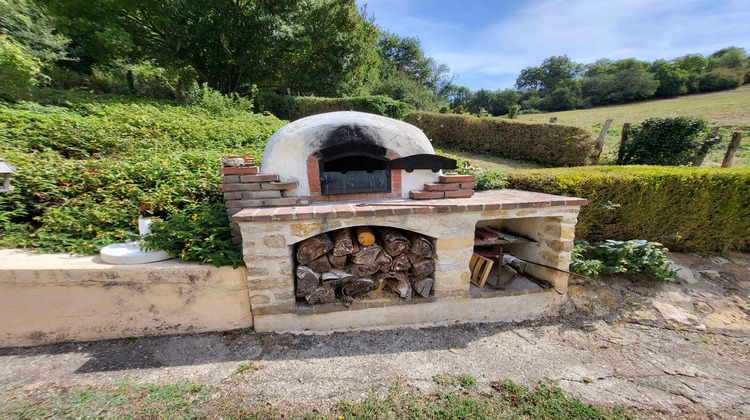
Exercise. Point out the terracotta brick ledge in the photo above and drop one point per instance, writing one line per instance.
(481, 201)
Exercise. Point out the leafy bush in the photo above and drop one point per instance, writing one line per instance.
(622, 257)
(197, 232)
(550, 144)
(668, 141)
(296, 107)
(218, 104)
(699, 210)
(19, 71)
(89, 165)
(721, 79)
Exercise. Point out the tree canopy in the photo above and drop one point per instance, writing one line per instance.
(308, 46)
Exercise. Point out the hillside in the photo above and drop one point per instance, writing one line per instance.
(729, 110)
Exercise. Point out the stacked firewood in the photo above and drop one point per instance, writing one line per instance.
(349, 263)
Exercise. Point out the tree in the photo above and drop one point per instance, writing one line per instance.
(555, 81)
(672, 80)
(618, 82)
(31, 28)
(732, 57)
(405, 73)
(309, 46)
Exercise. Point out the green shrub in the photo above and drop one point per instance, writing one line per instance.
(218, 104)
(19, 71)
(198, 232)
(699, 210)
(549, 144)
(89, 165)
(295, 107)
(622, 257)
(721, 78)
(668, 141)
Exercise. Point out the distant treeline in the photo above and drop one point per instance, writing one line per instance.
(322, 48)
(560, 84)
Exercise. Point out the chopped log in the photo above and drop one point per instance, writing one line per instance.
(398, 283)
(364, 270)
(307, 281)
(421, 245)
(342, 243)
(321, 264)
(313, 248)
(423, 268)
(348, 300)
(401, 263)
(337, 278)
(358, 286)
(414, 258)
(321, 295)
(423, 286)
(384, 261)
(394, 242)
(365, 236)
(367, 255)
(338, 262)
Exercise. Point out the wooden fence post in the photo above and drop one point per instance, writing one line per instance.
(734, 145)
(701, 154)
(602, 135)
(623, 140)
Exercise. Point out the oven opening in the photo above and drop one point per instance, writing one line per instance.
(354, 171)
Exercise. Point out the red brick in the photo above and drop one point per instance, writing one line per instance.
(425, 195)
(230, 179)
(286, 201)
(315, 189)
(304, 201)
(313, 167)
(259, 178)
(233, 195)
(243, 170)
(459, 194)
(435, 186)
(456, 178)
(279, 185)
(466, 186)
(240, 187)
(261, 194)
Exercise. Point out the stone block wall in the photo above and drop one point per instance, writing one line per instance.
(269, 236)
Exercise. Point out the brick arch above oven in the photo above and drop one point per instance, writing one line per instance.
(289, 149)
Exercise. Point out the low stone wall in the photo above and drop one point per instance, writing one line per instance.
(56, 298)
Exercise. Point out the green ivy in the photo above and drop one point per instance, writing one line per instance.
(622, 257)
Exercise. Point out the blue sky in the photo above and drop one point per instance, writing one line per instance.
(487, 43)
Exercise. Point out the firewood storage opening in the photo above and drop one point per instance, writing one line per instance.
(499, 263)
(365, 264)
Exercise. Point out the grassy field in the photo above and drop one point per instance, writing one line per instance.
(729, 110)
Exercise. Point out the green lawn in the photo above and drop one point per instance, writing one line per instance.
(729, 110)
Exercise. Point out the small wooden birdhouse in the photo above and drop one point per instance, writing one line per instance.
(5, 171)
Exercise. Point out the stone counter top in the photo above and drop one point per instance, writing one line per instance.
(481, 201)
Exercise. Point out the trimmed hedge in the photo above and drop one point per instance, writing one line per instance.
(295, 107)
(700, 210)
(548, 144)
